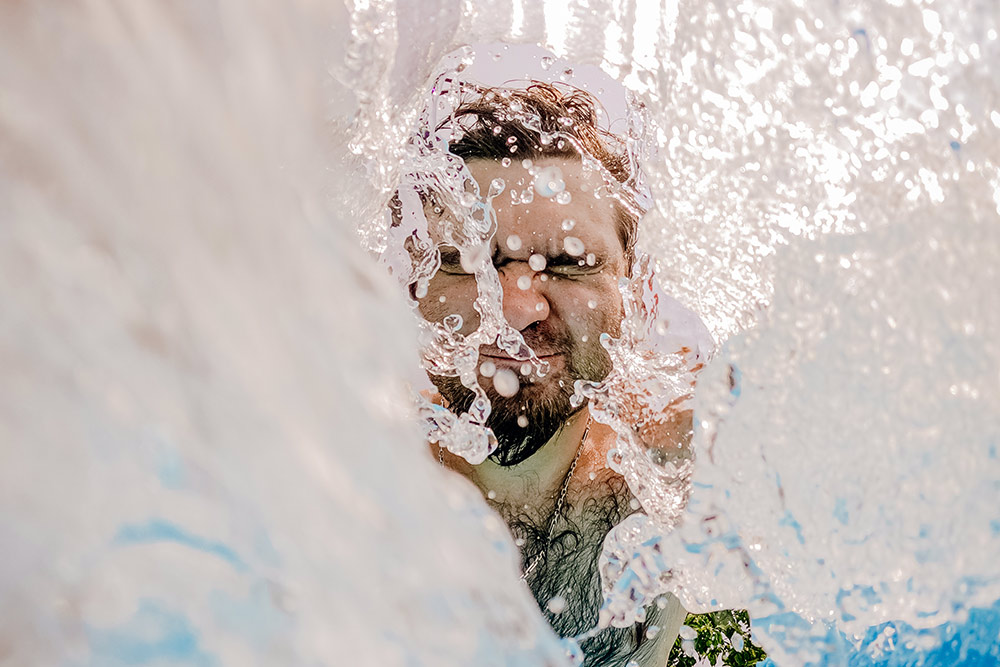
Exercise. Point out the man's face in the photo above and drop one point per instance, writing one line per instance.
(560, 309)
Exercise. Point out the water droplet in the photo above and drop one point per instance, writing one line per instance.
(514, 242)
(506, 382)
(556, 605)
(573, 245)
(487, 369)
(511, 140)
(591, 259)
(546, 62)
(522, 421)
(505, 162)
(452, 322)
(568, 224)
(539, 307)
(524, 282)
(468, 199)
(737, 641)
(563, 197)
(549, 181)
(474, 257)
(591, 304)
(525, 368)
(526, 163)
(652, 631)
(497, 186)
(491, 494)
(687, 632)
(584, 338)
(536, 262)
(442, 299)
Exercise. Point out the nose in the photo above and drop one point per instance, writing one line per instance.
(522, 307)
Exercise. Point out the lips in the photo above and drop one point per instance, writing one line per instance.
(503, 356)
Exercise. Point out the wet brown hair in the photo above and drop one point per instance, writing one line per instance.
(546, 120)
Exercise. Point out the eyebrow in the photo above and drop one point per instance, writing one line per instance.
(561, 258)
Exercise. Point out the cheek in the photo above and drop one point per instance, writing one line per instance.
(594, 308)
(447, 296)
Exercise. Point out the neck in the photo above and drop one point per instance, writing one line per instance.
(537, 479)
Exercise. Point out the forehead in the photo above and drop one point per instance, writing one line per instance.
(542, 221)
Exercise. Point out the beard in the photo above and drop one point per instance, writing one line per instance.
(522, 423)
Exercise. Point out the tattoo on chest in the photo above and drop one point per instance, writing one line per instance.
(566, 584)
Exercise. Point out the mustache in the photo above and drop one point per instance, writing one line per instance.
(542, 337)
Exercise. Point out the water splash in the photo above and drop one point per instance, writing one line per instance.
(153, 240)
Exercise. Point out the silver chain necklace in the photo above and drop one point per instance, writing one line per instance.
(559, 502)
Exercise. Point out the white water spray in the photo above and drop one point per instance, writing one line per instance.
(206, 446)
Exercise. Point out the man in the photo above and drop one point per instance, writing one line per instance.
(565, 232)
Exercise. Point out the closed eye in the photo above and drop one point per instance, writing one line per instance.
(451, 261)
(565, 264)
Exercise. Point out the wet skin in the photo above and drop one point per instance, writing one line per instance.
(561, 310)
(565, 306)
